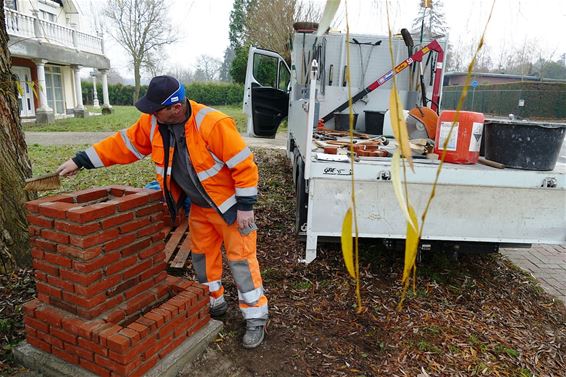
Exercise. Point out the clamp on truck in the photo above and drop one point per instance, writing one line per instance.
(515, 196)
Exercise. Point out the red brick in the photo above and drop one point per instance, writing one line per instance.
(149, 230)
(98, 329)
(61, 304)
(38, 343)
(58, 260)
(146, 366)
(85, 303)
(149, 323)
(148, 210)
(68, 357)
(40, 221)
(197, 326)
(158, 237)
(133, 335)
(80, 253)
(92, 212)
(135, 270)
(121, 190)
(119, 369)
(36, 324)
(137, 303)
(57, 210)
(132, 201)
(81, 278)
(172, 309)
(64, 336)
(30, 306)
(86, 328)
(50, 339)
(117, 220)
(79, 229)
(94, 239)
(181, 329)
(95, 368)
(46, 289)
(134, 225)
(170, 326)
(162, 289)
(44, 245)
(112, 302)
(96, 264)
(197, 306)
(158, 346)
(157, 317)
(80, 352)
(158, 247)
(98, 287)
(60, 238)
(160, 277)
(34, 231)
(33, 205)
(143, 330)
(125, 285)
(115, 316)
(121, 241)
(139, 288)
(30, 331)
(71, 324)
(190, 298)
(60, 283)
(43, 297)
(91, 194)
(171, 346)
(154, 271)
(135, 248)
(121, 265)
(92, 346)
(118, 343)
(40, 276)
(37, 253)
(49, 315)
(107, 333)
(48, 268)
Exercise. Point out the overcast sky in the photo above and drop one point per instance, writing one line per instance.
(203, 25)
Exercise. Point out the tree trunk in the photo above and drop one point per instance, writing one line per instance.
(137, 80)
(14, 165)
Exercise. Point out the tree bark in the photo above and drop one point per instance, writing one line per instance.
(137, 81)
(15, 165)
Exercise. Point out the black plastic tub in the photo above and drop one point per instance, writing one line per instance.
(374, 122)
(342, 121)
(523, 144)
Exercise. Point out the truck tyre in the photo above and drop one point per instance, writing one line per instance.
(301, 197)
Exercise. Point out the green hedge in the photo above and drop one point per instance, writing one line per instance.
(541, 99)
(211, 94)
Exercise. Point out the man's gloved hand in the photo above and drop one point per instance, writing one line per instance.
(245, 219)
(68, 168)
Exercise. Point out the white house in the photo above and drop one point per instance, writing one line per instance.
(48, 49)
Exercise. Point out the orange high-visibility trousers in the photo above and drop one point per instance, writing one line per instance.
(208, 231)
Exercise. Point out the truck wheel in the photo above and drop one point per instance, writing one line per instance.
(301, 197)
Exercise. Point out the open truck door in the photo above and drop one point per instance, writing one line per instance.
(266, 92)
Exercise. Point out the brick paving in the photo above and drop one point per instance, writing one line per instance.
(547, 263)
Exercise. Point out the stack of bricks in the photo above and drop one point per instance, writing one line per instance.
(104, 299)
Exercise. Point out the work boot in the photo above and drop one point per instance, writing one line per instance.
(254, 336)
(218, 310)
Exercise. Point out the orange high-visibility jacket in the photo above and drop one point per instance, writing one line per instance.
(223, 163)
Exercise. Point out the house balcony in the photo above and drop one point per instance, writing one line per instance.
(34, 38)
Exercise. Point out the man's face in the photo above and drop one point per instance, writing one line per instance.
(169, 114)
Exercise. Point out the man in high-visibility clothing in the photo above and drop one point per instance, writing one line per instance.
(199, 154)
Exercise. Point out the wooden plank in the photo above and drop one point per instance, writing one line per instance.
(171, 245)
(182, 254)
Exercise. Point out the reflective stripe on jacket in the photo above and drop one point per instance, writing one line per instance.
(223, 163)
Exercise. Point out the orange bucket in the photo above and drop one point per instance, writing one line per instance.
(463, 146)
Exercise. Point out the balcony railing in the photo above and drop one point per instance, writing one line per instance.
(25, 26)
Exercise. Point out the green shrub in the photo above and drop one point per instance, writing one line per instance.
(212, 94)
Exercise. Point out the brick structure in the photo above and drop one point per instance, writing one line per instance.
(104, 299)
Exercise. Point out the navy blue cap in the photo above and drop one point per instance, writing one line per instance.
(162, 91)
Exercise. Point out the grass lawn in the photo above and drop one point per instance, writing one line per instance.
(123, 117)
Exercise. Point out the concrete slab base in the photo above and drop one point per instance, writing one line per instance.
(50, 366)
(81, 113)
(43, 117)
(106, 110)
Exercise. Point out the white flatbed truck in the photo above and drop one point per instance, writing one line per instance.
(476, 207)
